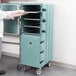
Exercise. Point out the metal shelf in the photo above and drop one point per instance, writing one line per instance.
(31, 19)
(33, 12)
(32, 26)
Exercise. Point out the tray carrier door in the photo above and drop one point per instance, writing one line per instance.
(30, 50)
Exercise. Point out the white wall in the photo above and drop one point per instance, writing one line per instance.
(64, 35)
(64, 32)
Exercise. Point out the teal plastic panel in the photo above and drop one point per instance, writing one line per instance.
(11, 26)
(43, 31)
(49, 31)
(30, 50)
(0, 5)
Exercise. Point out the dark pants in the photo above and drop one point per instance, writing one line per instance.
(0, 46)
(1, 71)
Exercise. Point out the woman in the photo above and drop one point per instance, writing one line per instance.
(8, 15)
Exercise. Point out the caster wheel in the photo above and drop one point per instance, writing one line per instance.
(26, 68)
(38, 71)
(49, 64)
(19, 67)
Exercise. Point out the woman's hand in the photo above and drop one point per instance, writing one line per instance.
(22, 12)
(18, 13)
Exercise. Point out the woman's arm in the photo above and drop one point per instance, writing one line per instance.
(11, 14)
